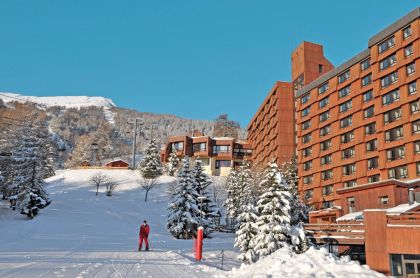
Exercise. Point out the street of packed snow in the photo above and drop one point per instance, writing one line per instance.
(84, 235)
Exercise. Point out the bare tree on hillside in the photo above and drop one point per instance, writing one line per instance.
(223, 127)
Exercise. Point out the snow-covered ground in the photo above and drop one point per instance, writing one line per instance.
(81, 235)
(84, 235)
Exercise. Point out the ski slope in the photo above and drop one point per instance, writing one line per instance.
(82, 235)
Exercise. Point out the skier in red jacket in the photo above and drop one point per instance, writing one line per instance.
(144, 234)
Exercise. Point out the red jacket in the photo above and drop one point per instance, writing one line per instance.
(144, 230)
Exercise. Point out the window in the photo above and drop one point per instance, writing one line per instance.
(386, 44)
(307, 152)
(323, 88)
(325, 145)
(406, 32)
(324, 116)
(347, 137)
(373, 178)
(410, 68)
(418, 168)
(325, 130)
(326, 160)
(200, 147)
(388, 62)
(371, 145)
(395, 153)
(369, 112)
(327, 204)
(344, 76)
(412, 88)
(394, 134)
(351, 203)
(414, 106)
(416, 127)
(349, 169)
(327, 190)
(365, 64)
(383, 200)
(307, 165)
(308, 179)
(417, 147)
(399, 172)
(306, 125)
(305, 98)
(324, 102)
(347, 153)
(222, 163)
(306, 138)
(345, 106)
(366, 80)
(344, 91)
(392, 115)
(370, 128)
(241, 152)
(351, 183)
(178, 146)
(221, 149)
(205, 161)
(326, 175)
(368, 96)
(389, 79)
(347, 121)
(390, 97)
(306, 111)
(408, 50)
(320, 68)
(372, 163)
(308, 194)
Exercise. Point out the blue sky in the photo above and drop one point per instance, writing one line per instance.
(193, 58)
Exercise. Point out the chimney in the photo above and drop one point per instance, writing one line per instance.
(411, 196)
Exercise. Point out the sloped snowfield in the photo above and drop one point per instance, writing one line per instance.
(84, 235)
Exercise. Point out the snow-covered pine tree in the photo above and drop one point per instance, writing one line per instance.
(248, 229)
(273, 213)
(184, 213)
(233, 199)
(298, 210)
(150, 167)
(28, 178)
(173, 163)
(204, 201)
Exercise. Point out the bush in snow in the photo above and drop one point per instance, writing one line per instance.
(183, 210)
(150, 167)
(273, 213)
(173, 163)
(208, 210)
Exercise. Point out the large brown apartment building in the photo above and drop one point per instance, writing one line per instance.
(272, 129)
(359, 122)
(217, 154)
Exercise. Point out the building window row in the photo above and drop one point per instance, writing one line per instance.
(324, 116)
(347, 137)
(407, 32)
(389, 79)
(373, 163)
(394, 134)
(400, 172)
(325, 130)
(410, 69)
(386, 44)
(392, 115)
(327, 190)
(344, 91)
(391, 97)
(415, 106)
(345, 122)
(412, 88)
(349, 169)
(408, 50)
(325, 160)
(370, 129)
(305, 98)
(347, 153)
(306, 124)
(324, 102)
(344, 107)
(351, 183)
(395, 153)
(344, 76)
(364, 65)
(323, 88)
(388, 62)
(367, 80)
(367, 96)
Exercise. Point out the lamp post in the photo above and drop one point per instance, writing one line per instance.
(201, 198)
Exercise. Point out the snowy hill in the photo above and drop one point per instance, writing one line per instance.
(84, 235)
(66, 101)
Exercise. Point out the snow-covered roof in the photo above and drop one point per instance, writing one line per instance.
(402, 208)
(351, 216)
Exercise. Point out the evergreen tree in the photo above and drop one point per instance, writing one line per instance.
(173, 163)
(150, 166)
(248, 229)
(29, 172)
(298, 210)
(183, 210)
(206, 205)
(233, 198)
(273, 213)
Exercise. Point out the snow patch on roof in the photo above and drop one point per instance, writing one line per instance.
(351, 216)
(402, 208)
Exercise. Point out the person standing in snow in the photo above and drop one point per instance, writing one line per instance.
(144, 234)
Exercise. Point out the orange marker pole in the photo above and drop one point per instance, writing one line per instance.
(199, 244)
